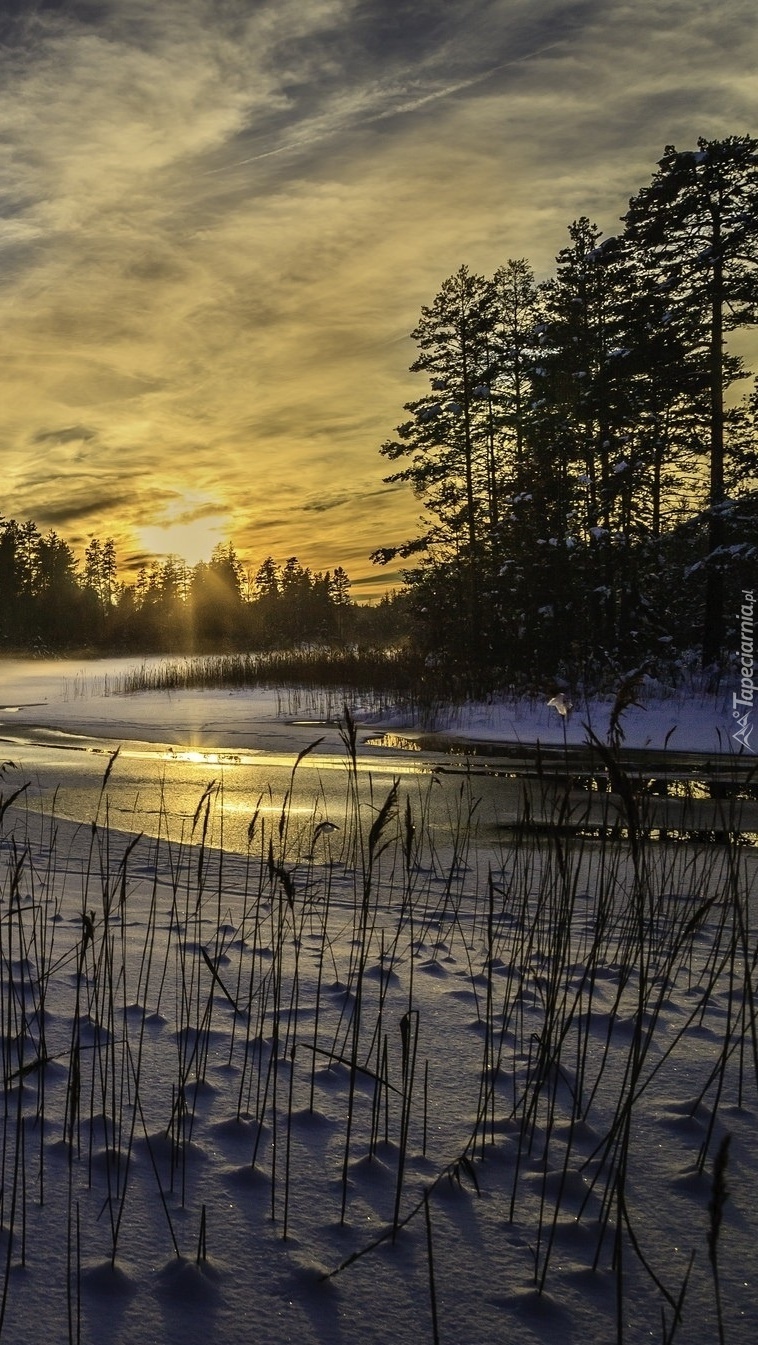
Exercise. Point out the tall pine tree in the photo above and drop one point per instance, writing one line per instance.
(698, 222)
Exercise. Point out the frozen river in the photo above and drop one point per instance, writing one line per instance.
(61, 723)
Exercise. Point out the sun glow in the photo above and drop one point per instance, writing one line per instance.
(190, 528)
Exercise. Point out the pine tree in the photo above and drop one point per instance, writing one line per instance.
(100, 572)
(698, 221)
(579, 470)
(338, 588)
(59, 597)
(447, 440)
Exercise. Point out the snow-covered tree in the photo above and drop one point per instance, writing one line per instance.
(698, 222)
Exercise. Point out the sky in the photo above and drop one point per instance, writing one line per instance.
(219, 220)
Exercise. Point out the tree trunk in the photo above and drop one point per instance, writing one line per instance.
(713, 627)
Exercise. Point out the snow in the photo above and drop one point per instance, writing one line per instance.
(686, 722)
(227, 1075)
(81, 699)
(78, 696)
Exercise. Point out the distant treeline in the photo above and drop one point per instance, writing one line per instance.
(51, 603)
(588, 484)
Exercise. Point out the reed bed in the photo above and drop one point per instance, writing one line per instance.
(385, 1062)
(377, 671)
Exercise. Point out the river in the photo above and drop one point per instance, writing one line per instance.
(60, 729)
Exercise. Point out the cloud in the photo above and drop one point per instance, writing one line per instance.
(77, 510)
(322, 504)
(72, 434)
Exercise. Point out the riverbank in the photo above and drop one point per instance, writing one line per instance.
(81, 698)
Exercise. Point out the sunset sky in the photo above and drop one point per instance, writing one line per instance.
(221, 218)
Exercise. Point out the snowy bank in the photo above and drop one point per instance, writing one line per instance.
(78, 698)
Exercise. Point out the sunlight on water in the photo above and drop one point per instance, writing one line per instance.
(396, 741)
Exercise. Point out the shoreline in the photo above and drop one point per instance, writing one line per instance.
(69, 697)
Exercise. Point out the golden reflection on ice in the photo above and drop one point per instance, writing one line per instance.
(199, 758)
(397, 741)
(322, 761)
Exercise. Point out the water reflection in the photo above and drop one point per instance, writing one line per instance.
(154, 786)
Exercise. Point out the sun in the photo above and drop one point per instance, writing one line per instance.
(190, 527)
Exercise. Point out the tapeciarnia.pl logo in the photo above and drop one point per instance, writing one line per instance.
(744, 700)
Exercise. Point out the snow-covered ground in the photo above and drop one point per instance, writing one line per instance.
(360, 1085)
(681, 722)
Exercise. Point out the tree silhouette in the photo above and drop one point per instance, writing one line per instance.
(698, 220)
